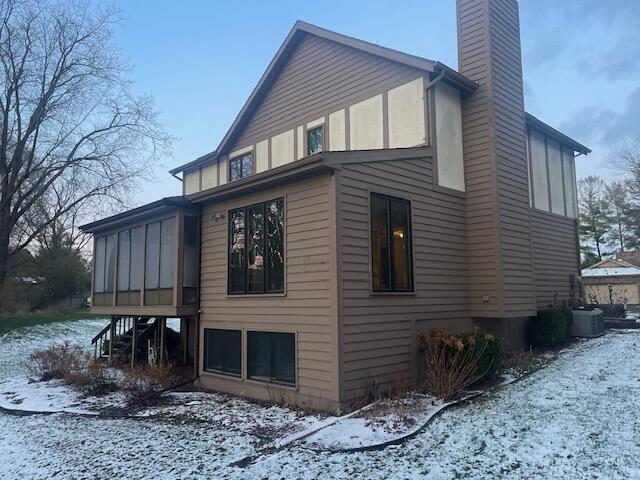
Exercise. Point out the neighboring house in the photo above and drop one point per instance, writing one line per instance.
(361, 197)
(612, 281)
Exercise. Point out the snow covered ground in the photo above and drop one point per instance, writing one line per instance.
(577, 418)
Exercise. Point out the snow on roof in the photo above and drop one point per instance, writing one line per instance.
(610, 272)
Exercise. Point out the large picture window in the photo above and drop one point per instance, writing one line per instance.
(271, 357)
(256, 248)
(240, 167)
(222, 351)
(391, 262)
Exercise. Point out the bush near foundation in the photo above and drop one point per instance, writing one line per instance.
(74, 367)
(144, 386)
(455, 361)
(550, 327)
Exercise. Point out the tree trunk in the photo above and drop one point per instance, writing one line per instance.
(4, 259)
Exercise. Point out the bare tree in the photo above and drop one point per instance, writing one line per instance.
(72, 135)
(627, 159)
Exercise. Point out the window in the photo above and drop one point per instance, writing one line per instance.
(190, 260)
(222, 351)
(105, 264)
(391, 244)
(256, 248)
(240, 167)
(130, 243)
(271, 357)
(160, 260)
(315, 140)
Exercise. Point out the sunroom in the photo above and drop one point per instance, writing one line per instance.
(145, 271)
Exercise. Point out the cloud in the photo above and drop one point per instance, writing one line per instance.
(600, 38)
(605, 126)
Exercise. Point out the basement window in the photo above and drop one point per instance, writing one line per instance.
(222, 351)
(315, 140)
(391, 262)
(240, 167)
(271, 357)
(256, 249)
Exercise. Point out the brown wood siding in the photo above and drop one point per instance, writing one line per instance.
(555, 256)
(480, 169)
(495, 159)
(511, 158)
(379, 331)
(320, 77)
(306, 308)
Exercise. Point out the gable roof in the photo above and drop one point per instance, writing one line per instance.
(610, 268)
(300, 29)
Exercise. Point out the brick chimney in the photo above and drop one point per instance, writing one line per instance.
(494, 140)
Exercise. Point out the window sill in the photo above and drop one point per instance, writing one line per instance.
(287, 386)
(256, 295)
(227, 376)
(392, 294)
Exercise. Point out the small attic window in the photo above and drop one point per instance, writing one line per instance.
(240, 167)
(315, 140)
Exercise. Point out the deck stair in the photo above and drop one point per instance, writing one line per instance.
(114, 342)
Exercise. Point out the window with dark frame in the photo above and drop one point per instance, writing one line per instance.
(256, 249)
(391, 262)
(223, 351)
(271, 357)
(315, 140)
(240, 167)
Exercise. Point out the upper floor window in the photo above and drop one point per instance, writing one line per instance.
(315, 140)
(391, 263)
(240, 167)
(256, 248)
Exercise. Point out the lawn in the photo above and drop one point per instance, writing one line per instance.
(574, 419)
(12, 322)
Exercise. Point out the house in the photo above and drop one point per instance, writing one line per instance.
(361, 197)
(613, 281)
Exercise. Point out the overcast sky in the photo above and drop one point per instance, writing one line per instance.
(201, 59)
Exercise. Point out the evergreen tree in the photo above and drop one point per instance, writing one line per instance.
(617, 199)
(594, 217)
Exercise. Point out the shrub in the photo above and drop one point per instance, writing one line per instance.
(489, 361)
(144, 386)
(57, 362)
(550, 327)
(74, 367)
(455, 361)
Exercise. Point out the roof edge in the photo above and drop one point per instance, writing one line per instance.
(556, 134)
(163, 203)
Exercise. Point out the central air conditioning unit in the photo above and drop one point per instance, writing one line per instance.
(587, 323)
